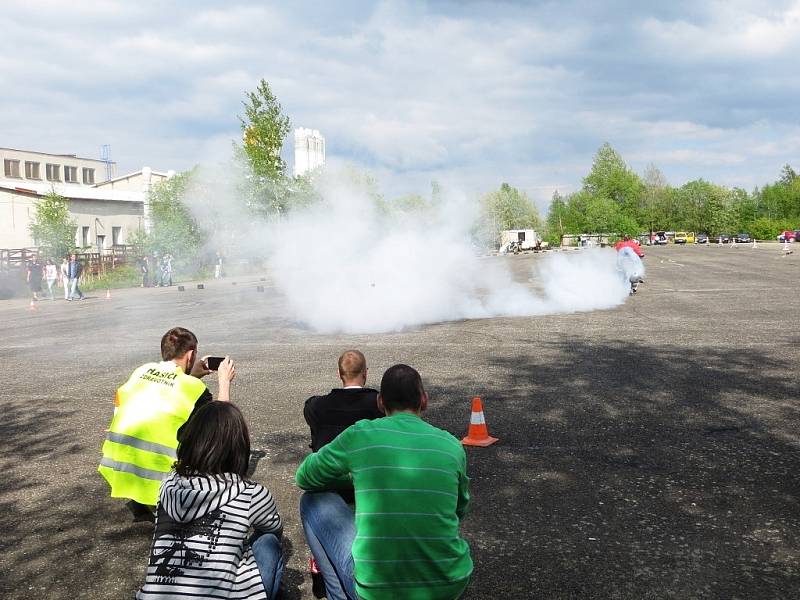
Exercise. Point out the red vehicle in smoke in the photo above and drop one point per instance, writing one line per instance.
(633, 244)
(788, 236)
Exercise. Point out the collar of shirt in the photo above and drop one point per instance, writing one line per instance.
(352, 387)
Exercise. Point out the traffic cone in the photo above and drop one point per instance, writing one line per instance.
(478, 434)
(32, 306)
(754, 243)
(108, 294)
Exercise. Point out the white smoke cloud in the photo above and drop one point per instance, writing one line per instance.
(344, 265)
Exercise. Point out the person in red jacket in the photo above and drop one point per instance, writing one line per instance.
(627, 241)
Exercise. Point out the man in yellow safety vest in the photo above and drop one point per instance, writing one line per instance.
(150, 409)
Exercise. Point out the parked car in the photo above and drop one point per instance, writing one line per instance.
(701, 238)
(680, 237)
(723, 238)
(742, 238)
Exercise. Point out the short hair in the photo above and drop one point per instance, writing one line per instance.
(401, 388)
(214, 441)
(177, 342)
(352, 363)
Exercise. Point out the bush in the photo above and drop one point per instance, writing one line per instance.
(121, 277)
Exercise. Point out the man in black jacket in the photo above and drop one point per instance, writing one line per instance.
(331, 414)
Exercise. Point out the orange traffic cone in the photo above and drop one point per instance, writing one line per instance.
(478, 434)
(32, 306)
(108, 294)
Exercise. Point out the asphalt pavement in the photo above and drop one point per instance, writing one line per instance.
(648, 451)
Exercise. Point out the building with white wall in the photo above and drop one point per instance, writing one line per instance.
(106, 211)
(309, 150)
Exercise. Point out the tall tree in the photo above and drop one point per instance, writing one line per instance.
(611, 178)
(174, 230)
(264, 128)
(52, 227)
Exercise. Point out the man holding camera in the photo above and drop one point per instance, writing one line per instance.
(149, 411)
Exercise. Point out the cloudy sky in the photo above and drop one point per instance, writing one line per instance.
(469, 93)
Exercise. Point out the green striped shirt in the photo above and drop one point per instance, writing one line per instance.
(411, 486)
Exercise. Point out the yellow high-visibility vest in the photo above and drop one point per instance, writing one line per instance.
(142, 440)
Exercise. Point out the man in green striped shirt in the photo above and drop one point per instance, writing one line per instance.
(411, 490)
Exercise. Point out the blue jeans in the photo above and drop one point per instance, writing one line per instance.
(269, 558)
(329, 524)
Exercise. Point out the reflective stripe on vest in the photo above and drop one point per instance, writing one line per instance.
(141, 442)
(129, 468)
(129, 440)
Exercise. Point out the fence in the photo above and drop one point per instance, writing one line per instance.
(94, 263)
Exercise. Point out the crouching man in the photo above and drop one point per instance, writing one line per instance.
(150, 409)
(411, 492)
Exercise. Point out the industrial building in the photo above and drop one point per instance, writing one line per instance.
(106, 208)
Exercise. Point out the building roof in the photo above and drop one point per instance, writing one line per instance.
(129, 175)
(75, 156)
(71, 191)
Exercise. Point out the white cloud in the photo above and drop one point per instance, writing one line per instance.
(480, 93)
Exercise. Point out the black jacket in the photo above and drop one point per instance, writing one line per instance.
(330, 415)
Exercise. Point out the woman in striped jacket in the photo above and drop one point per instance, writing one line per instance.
(217, 534)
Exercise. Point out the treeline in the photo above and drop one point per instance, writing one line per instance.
(614, 199)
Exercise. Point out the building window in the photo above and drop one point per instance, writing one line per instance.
(84, 236)
(32, 170)
(11, 167)
(101, 243)
(71, 174)
(53, 172)
(115, 231)
(88, 176)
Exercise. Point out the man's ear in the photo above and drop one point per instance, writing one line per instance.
(423, 402)
(381, 406)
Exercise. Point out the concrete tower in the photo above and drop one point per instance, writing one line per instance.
(309, 150)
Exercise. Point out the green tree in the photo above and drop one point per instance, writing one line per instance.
(556, 217)
(509, 208)
(611, 178)
(52, 227)
(655, 200)
(264, 128)
(173, 229)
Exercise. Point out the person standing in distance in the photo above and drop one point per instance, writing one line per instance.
(150, 410)
(75, 268)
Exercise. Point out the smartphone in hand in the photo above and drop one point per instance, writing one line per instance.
(213, 362)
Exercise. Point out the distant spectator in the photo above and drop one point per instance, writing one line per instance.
(75, 269)
(166, 270)
(65, 277)
(218, 266)
(145, 270)
(51, 276)
(34, 277)
(156, 264)
(202, 546)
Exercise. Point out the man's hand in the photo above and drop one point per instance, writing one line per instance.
(200, 368)
(226, 373)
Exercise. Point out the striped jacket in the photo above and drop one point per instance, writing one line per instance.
(411, 491)
(200, 546)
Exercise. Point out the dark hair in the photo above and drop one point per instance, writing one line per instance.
(214, 441)
(177, 342)
(401, 388)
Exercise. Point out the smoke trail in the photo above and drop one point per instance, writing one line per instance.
(345, 266)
